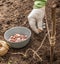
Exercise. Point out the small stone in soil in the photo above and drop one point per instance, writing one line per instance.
(8, 22)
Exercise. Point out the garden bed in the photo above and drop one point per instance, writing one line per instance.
(14, 13)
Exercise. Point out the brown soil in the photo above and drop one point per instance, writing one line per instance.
(14, 13)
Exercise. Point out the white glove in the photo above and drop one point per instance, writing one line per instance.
(35, 19)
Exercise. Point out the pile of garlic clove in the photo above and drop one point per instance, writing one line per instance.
(17, 38)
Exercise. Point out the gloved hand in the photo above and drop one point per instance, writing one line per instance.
(35, 19)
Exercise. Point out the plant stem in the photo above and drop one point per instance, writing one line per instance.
(53, 33)
(51, 54)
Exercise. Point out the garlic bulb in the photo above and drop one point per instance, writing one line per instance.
(3, 48)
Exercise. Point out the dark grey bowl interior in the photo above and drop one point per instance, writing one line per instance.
(19, 30)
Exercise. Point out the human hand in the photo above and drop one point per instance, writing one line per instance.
(35, 19)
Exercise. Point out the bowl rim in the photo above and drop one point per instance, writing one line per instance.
(14, 28)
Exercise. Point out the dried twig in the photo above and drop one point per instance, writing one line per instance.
(42, 42)
(25, 55)
(34, 53)
(48, 31)
(40, 45)
(53, 33)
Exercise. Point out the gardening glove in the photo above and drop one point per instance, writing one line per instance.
(35, 19)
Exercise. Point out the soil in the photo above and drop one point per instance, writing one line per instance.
(14, 13)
